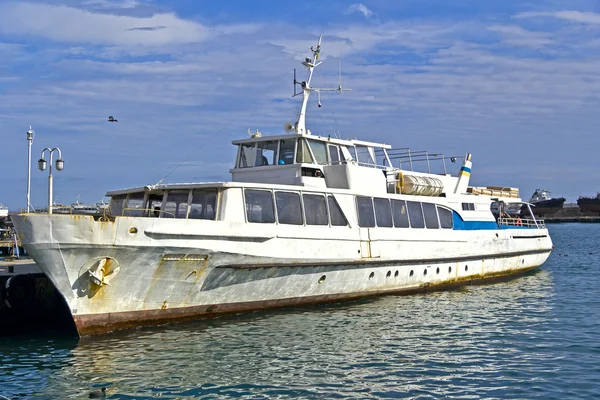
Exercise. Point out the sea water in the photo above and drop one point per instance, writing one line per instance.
(536, 336)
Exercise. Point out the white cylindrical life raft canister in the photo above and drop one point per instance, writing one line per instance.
(421, 185)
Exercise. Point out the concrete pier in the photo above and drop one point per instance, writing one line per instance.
(29, 303)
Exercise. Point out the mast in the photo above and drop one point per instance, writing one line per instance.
(310, 64)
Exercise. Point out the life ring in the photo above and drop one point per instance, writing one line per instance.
(518, 222)
(399, 182)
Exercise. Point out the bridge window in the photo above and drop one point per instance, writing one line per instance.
(153, 203)
(134, 206)
(303, 154)
(334, 154)
(287, 148)
(117, 204)
(289, 210)
(431, 218)
(247, 155)
(176, 205)
(204, 204)
(364, 155)
(415, 214)
(315, 209)
(259, 206)
(335, 212)
(445, 218)
(366, 216)
(400, 214)
(265, 153)
(383, 213)
(319, 151)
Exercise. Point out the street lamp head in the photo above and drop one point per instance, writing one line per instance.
(30, 134)
(42, 164)
(60, 164)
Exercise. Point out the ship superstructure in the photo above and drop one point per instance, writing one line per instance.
(306, 219)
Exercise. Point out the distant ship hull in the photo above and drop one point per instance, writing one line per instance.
(589, 204)
(548, 207)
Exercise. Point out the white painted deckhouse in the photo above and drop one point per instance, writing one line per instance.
(306, 219)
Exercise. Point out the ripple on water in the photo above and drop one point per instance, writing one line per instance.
(535, 336)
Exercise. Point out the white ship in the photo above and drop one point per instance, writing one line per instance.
(3, 211)
(306, 219)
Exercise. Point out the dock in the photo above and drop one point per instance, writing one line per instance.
(29, 302)
(572, 213)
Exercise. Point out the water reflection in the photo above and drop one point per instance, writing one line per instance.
(482, 341)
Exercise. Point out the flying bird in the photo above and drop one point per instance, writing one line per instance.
(112, 119)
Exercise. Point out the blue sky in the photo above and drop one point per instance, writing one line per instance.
(516, 83)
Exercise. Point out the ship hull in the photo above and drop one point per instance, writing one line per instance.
(589, 205)
(160, 275)
(548, 207)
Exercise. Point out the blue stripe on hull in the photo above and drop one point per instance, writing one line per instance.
(462, 225)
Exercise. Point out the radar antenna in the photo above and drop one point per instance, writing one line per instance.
(310, 64)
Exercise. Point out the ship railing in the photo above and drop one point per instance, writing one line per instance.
(521, 222)
(407, 159)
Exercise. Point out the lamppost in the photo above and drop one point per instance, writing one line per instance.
(60, 165)
(30, 136)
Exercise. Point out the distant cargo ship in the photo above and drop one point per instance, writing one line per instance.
(589, 204)
(544, 204)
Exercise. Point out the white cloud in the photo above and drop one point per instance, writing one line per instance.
(361, 8)
(569, 15)
(517, 36)
(108, 4)
(72, 25)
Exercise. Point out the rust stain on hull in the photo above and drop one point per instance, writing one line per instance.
(93, 324)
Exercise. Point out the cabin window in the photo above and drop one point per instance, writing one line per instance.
(259, 206)
(176, 205)
(303, 155)
(468, 206)
(289, 210)
(415, 214)
(204, 204)
(287, 148)
(366, 217)
(134, 206)
(445, 218)
(265, 153)
(247, 155)
(431, 218)
(117, 204)
(334, 154)
(400, 214)
(335, 212)
(383, 213)
(315, 209)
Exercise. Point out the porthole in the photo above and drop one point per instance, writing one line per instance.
(389, 274)
(322, 279)
(396, 274)
(133, 231)
(372, 275)
(437, 271)
(412, 273)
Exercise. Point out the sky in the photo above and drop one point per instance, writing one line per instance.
(516, 83)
